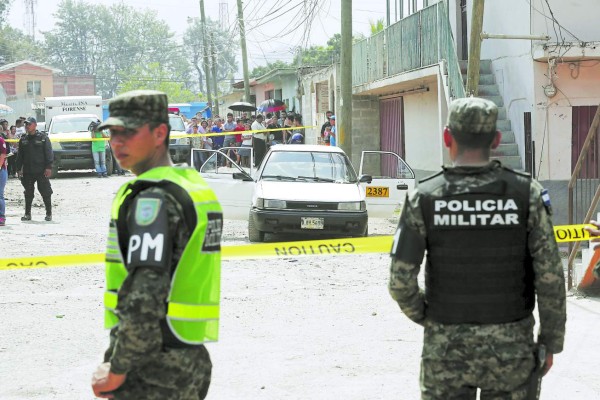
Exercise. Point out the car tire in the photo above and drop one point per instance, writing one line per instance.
(365, 233)
(254, 235)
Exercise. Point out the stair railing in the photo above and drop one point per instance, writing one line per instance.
(584, 181)
(448, 56)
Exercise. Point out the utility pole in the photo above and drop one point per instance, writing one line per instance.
(205, 51)
(344, 121)
(475, 48)
(244, 53)
(214, 72)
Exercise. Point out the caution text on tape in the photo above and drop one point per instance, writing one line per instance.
(328, 247)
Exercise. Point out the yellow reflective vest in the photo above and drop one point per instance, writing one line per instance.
(193, 301)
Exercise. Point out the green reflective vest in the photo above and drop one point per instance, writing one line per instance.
(193, 301)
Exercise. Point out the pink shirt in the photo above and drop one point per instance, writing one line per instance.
(3, 150)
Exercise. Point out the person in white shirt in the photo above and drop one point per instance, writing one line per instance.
(260, 140)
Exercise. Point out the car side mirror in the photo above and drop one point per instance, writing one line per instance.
(242, 176)
(365, 178)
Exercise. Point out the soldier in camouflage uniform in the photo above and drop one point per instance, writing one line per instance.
(147, 357)
(488, 236)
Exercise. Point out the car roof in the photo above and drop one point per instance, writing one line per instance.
(306, 148)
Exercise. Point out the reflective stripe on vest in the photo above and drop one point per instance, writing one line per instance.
(193, 301)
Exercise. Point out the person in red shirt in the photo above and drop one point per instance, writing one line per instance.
(238, 137)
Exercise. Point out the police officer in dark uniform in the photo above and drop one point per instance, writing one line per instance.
(34, 165)
(489, 241)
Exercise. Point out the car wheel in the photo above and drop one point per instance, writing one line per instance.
(365, 233)
(254, 235)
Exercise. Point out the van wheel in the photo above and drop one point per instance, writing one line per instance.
(254, 235)
(54, 172)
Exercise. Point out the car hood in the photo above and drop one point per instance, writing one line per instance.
(70, 135)
(309, 191)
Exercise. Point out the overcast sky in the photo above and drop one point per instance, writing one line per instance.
(265, 41)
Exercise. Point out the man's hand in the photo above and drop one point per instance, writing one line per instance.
(548, 363)
(104, 381)
(594, 232)
(48, 172)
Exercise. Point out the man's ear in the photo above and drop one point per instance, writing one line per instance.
(448, 139)
(497, 139)
(160, 133)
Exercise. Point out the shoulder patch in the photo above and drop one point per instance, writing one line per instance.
(147, 211)
(546, 200)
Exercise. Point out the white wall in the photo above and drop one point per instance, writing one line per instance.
(512, 63)
(578, 16)
(553, 118)
(422, 132)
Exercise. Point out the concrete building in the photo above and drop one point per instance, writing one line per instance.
(26, 84)
(547, 89)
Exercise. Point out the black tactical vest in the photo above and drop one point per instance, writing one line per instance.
(479, 269)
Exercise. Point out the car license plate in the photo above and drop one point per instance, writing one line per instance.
(378, 191)
(312, 223)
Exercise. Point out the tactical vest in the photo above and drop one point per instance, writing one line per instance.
(478, 268)
(193, 301)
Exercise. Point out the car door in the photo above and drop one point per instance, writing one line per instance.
(232, 184)
(392, 179)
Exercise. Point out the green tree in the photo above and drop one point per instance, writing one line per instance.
(111, 43)
(263, 69)
(4, 9)
(16, 46)
(322, 55)
(376, 26)
(225, 46)
(155, 77)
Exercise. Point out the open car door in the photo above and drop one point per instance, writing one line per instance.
(392, 179)
(232, 183)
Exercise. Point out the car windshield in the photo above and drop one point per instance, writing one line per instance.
(310, 166)
(75, 124)
(176, 123)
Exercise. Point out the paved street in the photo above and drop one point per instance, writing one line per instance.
(294, 328)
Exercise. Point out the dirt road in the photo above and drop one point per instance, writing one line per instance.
(294, 328)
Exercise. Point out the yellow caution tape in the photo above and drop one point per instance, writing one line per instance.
(572, 233)
(374, 244)
(326, 247)
(181, 135)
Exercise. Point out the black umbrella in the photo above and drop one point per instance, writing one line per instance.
(242, 106)
(271, 105)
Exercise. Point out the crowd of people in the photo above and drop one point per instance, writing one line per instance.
(268, 130)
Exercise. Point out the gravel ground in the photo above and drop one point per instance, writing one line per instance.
(291, 328)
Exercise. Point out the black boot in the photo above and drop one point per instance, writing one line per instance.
(48, 205)
(27, 216)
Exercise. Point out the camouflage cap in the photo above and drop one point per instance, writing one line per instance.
(136, 108)
(472, 115)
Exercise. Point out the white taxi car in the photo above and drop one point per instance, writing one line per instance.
(308, 188)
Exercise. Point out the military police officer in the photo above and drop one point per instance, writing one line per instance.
(488, 237)
(34, 164)
(162, 263)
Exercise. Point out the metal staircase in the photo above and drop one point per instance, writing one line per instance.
(508, 151)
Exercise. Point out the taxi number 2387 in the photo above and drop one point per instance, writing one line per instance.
(378, 191)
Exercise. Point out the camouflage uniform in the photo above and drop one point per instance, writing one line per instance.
(498, 358)
(142, 345)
